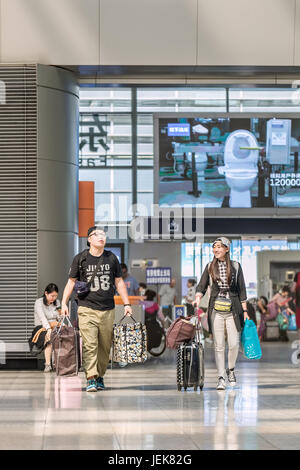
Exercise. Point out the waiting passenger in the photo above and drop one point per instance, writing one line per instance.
(296, 290)
(261, 311)
(280, 299)
(271, 310)
(152, 312)
(142, 289)
(152, 309)
(130, 281)
(167, 298)
(190, 297)
(46, 310)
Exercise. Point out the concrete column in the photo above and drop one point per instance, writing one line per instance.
(58, 124)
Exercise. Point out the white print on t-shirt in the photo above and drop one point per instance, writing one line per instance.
(102, 279)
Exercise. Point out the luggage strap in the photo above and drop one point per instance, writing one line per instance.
(62, 322)
(131, 317)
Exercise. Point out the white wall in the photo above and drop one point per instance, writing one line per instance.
(150, 32)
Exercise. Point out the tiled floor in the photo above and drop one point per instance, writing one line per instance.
(142, 409)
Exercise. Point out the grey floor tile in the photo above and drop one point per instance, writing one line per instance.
(142, 409)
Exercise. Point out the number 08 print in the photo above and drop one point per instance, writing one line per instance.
(100, 282)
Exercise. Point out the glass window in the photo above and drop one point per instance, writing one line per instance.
(122, 180)
(264, 100)
(145, 139)
(145, 201)
(112, 207)
(108, 179)
(145, 180)
(104, 140)
(181, 99)
(110, 100)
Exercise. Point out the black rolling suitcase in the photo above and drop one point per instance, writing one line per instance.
(190, 364)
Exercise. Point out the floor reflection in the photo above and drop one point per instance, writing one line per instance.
(68, 392)
(227, 411)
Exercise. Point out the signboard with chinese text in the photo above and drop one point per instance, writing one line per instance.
(158, 276)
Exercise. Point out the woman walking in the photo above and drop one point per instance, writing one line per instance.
(227, 307)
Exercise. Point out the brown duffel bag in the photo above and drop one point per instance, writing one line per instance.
(65, 342)
(180, 330)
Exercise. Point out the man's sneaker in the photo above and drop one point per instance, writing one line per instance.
(221, 384)
(231, 377)
(48, 368)
(91, 385)
(100, 383)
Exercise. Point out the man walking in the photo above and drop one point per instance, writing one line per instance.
(96, 312)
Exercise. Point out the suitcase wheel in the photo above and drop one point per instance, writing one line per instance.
(201, 387)
(185, 389)
(179, 388)
(195, 388)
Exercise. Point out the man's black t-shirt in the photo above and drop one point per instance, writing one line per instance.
(101, 295)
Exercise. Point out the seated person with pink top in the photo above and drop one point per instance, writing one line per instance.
(272, 309)
(151, 307)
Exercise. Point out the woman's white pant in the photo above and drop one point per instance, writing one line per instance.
(220, 321)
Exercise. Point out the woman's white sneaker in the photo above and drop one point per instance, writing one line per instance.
(221, 384)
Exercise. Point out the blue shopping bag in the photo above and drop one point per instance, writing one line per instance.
(250, 341)
(292, 323)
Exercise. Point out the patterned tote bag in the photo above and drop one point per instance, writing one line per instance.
(130, 342)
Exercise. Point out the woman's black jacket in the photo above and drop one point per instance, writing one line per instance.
(237, 293)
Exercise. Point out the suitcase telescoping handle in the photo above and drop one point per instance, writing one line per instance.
(198, 326)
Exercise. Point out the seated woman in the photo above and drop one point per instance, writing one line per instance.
(281, 299)
(269, 311)
(261, 314)
(46, 310)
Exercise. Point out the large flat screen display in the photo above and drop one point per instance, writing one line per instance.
(227, 161)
